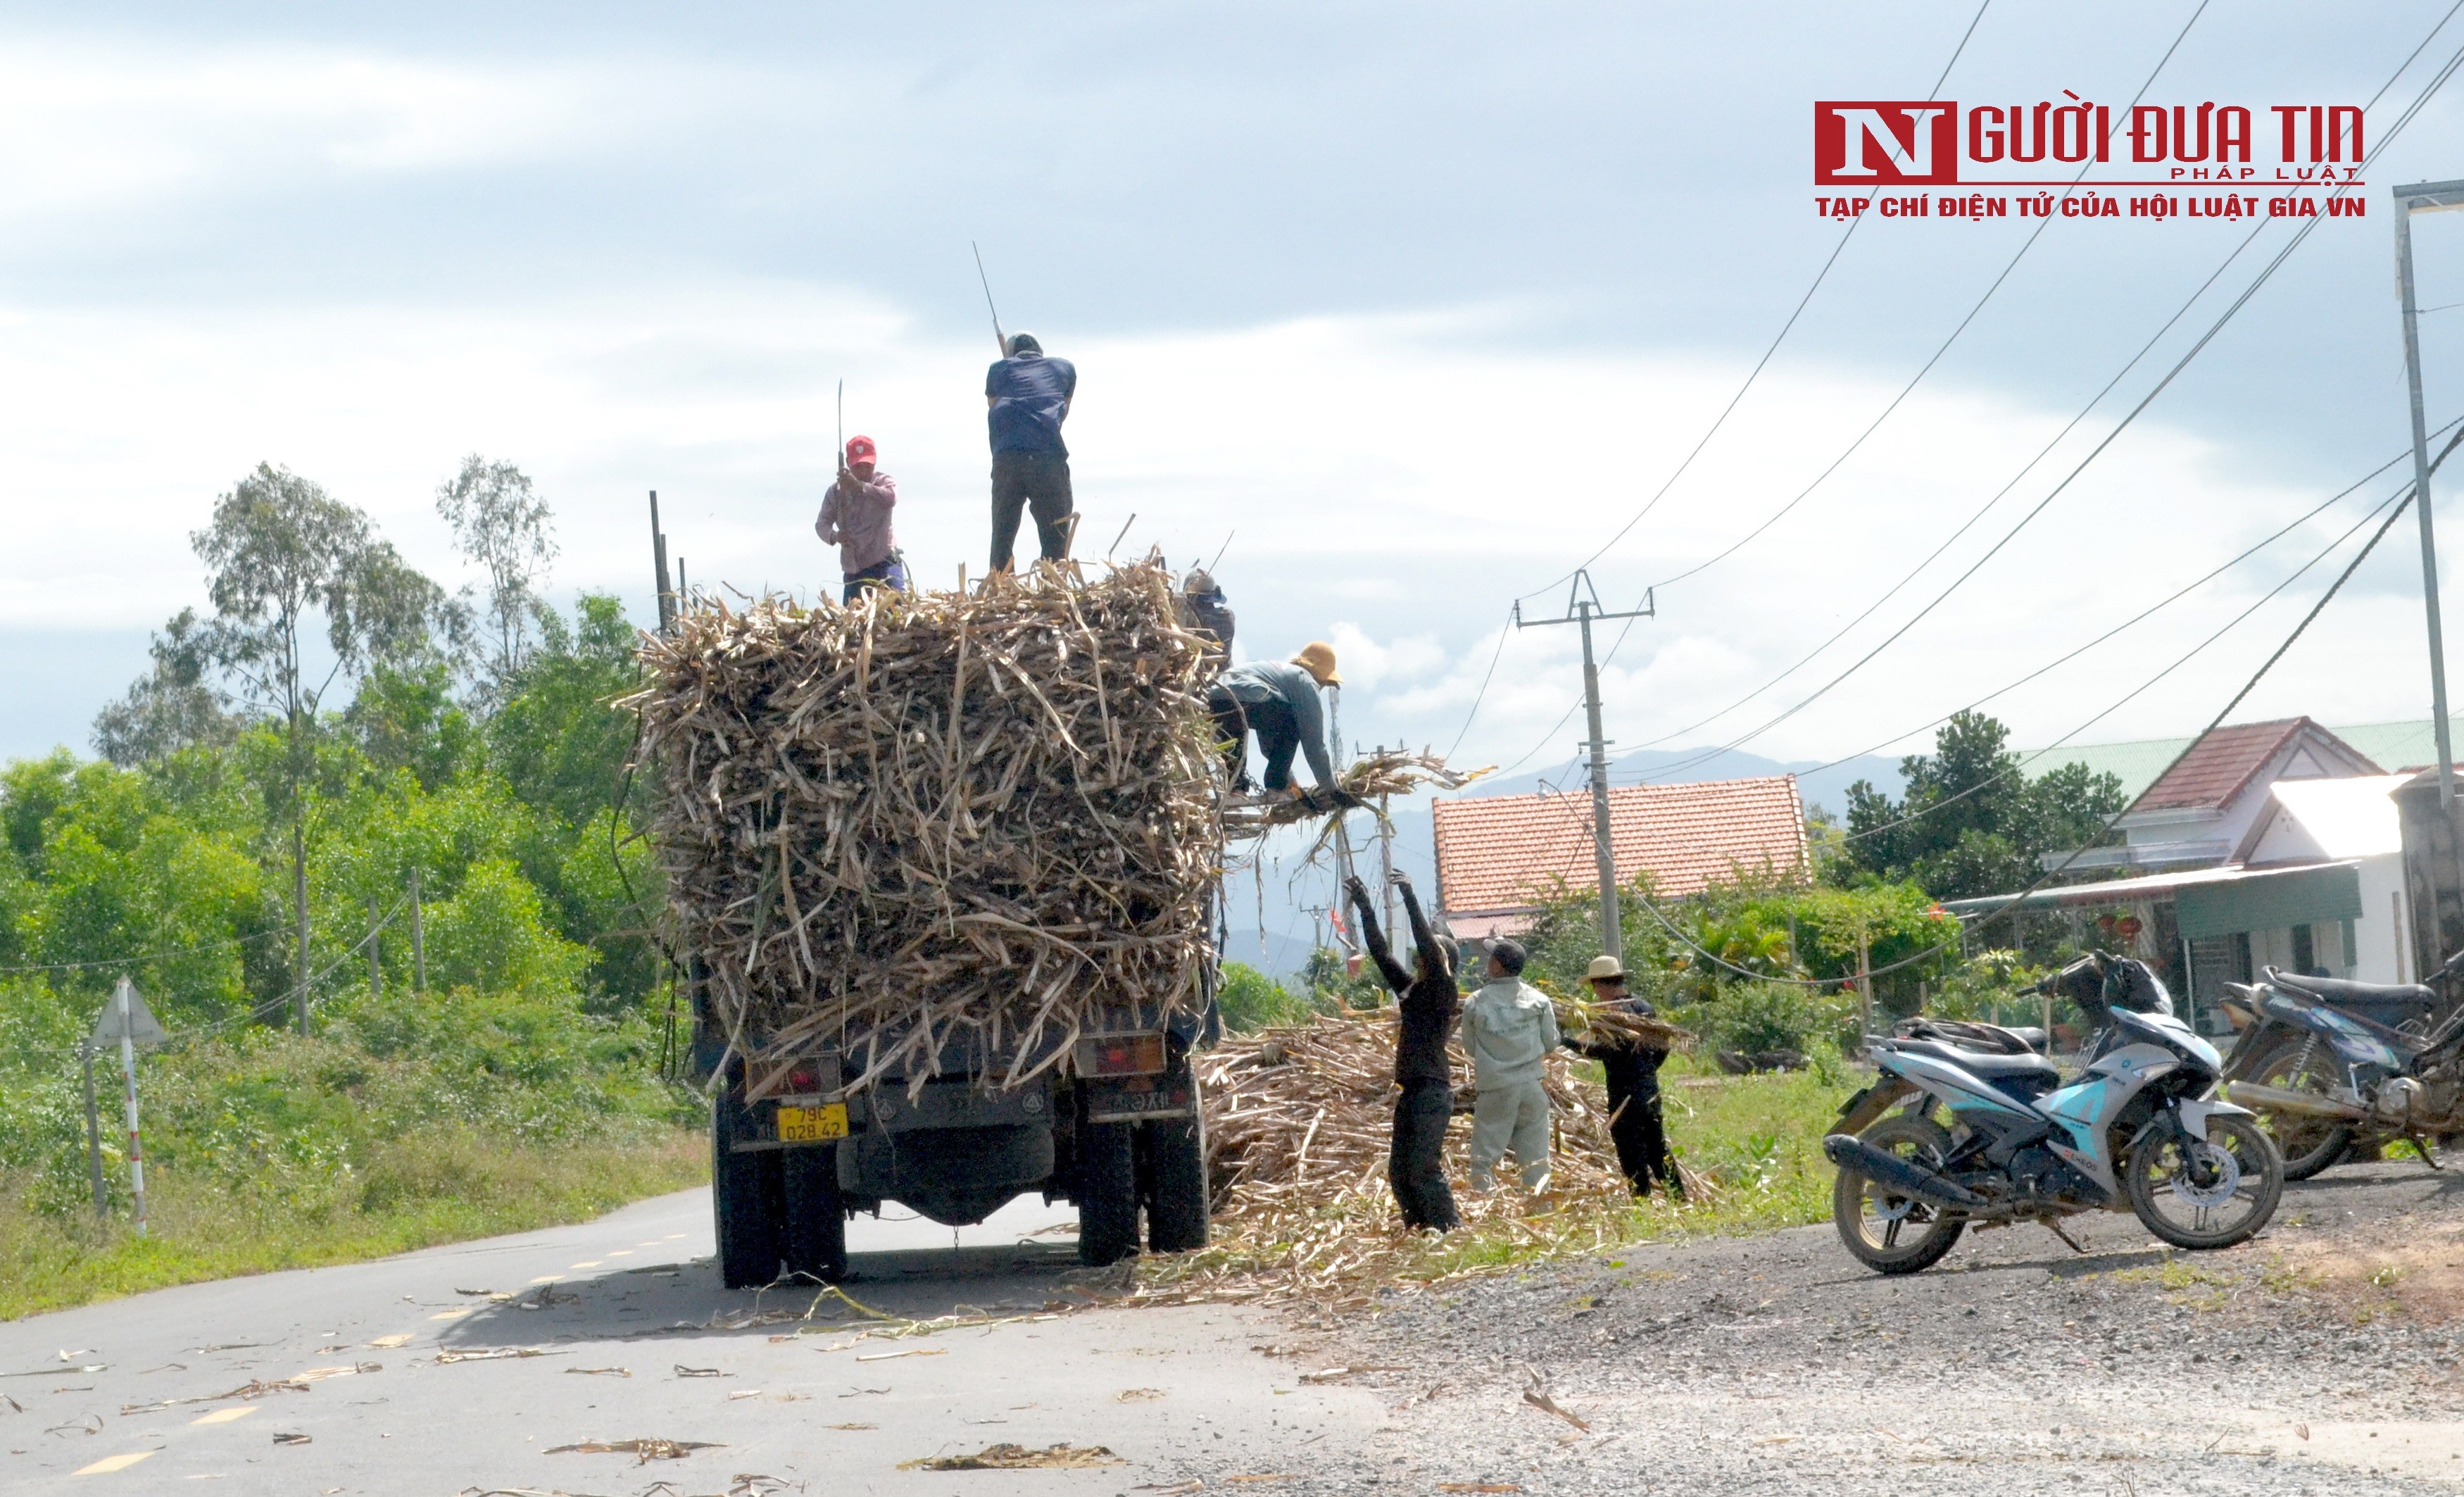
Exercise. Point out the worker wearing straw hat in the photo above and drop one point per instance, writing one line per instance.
(1277, 701)
(1509, 1028)
(1632, 1070)
(1427, 1002)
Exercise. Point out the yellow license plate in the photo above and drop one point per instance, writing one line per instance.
(812, 1123)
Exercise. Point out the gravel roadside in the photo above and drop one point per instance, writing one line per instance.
(2322, 1356)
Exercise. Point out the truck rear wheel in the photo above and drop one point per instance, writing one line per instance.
(1107, 1193)
(744, 1200)
(814, 1230)
(1175, 1180)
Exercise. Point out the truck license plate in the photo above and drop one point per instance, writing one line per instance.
(812, 1123)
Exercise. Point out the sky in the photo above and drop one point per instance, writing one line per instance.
(1405, 310)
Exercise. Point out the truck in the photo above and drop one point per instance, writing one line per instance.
(1112, 1124)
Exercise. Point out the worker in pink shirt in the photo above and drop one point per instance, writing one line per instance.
(855, 517)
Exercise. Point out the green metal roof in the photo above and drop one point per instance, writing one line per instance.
(2390, 745)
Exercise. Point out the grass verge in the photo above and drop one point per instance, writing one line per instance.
(413, 1191)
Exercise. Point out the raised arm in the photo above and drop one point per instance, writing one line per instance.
(1374, 939)
(1308, 716)
(1433, 957)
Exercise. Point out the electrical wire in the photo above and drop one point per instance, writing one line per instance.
(2265, 275)
(2400, 501)
(133, 961)
(1721, 420)
(2148, 612)
(2214, 329)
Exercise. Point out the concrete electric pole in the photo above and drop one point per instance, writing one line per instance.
(1582, 607)
(2424, 197)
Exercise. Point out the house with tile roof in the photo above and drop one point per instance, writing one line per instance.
(2260, 844)
(1501, 857)
(2201, 809)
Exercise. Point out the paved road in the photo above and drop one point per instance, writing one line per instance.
(1170, 1391)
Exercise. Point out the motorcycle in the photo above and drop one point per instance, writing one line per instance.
(2334, 1068)
(2136, 1131)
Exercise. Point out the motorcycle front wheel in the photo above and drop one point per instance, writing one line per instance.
(1889, 1233)
(2207, 1194)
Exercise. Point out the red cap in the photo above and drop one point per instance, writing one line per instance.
(859, 449)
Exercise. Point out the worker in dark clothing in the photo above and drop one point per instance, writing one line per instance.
(1632, 1075)
(1029, 395)
(1277, 701)
(1204, 610)
(1428, 1001)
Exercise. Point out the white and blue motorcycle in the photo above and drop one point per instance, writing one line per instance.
(2137, 1130)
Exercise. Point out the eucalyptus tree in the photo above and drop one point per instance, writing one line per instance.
(501, 523)
(305, 595)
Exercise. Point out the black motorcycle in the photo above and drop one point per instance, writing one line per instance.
(2337, 1067)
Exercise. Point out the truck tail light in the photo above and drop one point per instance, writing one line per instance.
(1121, 1055)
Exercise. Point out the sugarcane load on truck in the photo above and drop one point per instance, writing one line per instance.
(942, 868)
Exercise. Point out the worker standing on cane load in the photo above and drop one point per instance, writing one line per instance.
(1632, 1070)
(1029, 397)
(855, 517)
(1427, 1002)
(1509, 1028)
(1277, 701)
(1204, 610)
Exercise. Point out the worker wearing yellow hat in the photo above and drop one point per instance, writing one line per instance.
(1277, 701)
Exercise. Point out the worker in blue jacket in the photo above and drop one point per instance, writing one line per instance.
(1278, 701)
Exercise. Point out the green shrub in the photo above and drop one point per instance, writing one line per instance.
(1754, 1017)
(1251, 1001)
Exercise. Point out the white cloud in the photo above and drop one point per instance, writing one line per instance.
(1377, 485)
(86, 125)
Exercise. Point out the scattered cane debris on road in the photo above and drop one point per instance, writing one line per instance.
(644, 1450)
(1018, 1458)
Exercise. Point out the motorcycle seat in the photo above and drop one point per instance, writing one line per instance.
(1979, 1063)
(2372, 994)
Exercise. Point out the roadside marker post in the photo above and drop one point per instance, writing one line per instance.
(93, 1129)
(127, 1020)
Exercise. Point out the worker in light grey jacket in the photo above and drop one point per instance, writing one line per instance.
(1509, 1028)
(1278, 701)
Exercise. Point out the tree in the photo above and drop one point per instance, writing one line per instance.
(502, 525)
(170, 709)
(1971, 822)
(280, 553)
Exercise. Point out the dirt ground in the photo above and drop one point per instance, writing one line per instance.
(2322, 1356)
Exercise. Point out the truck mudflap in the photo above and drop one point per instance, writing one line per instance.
(1138, 1099)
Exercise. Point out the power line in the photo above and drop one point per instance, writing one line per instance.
(1721, 420)
(2263, 277)
(2399, 499)
(150, 957)
(1944, 348)
(2152, 608)
(2299, 236)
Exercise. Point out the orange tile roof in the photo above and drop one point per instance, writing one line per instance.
(2215, 771)
(1510, 851)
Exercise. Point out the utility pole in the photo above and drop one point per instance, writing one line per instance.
(299, 897)
(659, 558)
(1582, 609)
(2424, 197)
(376, 966)
(418, 939)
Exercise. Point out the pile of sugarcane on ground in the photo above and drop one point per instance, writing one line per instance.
(986, 818)
(1298, 1123)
